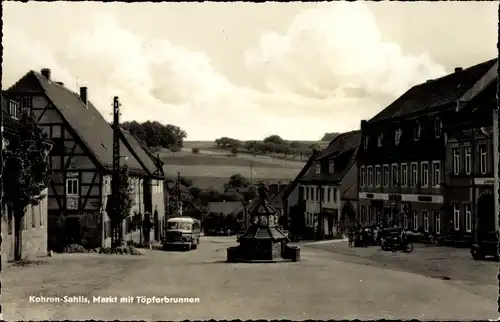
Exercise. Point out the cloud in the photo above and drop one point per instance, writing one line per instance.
(326, 72)
(330, 50)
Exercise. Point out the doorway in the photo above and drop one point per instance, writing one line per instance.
(486, 212)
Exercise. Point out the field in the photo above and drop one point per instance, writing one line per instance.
(213, 167)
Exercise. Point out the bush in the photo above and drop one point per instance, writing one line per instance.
(195, 150)
(75, 248)
(122, 250)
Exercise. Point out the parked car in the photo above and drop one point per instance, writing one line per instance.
(486, 245)
(389, 236)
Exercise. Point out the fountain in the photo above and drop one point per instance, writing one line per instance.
(263, 241)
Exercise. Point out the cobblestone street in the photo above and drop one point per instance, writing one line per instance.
(323, 285)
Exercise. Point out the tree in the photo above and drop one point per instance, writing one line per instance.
(234, 151)
(237, 181)
(275, 139)
(119, 206)
(329, 136)
(195, 150)
(26, 175)
(154, 134)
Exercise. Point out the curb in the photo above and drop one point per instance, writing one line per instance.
(332, 241)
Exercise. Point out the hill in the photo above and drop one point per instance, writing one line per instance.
(212, 167)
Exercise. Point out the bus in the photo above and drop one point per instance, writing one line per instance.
(182, 232)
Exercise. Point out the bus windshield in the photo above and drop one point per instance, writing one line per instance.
(179, 225)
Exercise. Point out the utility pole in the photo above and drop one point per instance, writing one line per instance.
(251, 171)
(115, 182)
(496, 156)
(179, 201)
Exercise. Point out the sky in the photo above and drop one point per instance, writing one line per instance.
(246, 70)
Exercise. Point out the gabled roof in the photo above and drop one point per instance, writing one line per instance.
(342, 142)
(302, 172)
(486, 80)
(89, 125)
(342, 150)
(144, 158)
(435, 93)
(225, 208)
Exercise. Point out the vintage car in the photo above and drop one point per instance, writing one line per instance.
(486, 245)
(389, 236)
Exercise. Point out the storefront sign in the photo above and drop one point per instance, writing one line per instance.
(484, 181)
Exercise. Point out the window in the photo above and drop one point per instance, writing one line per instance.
(483, 159)
(468, 217)
(467, 160)
(378, 176)
(456, 216)
(41, 217)
(436, 173)
(72, 187)
(425, 214)
(9, 220)
(413, 174)
(318, 191)
(395, 175)
(370, 176)
(437, 222)
(328, 196)
(363, 214)
(331, 166)
(370, 209)
(425, 174)
(386, 175)
(405, 221)
(27, 102)
(363, 176)
(33, 217)
(14, 109)
(335, 195)
(438, 126)
(380, 140)
(318, 168)
(416, 132)
(456, 161)
(306, 195)
(404, 174)
(365, 142)
(397, 136)
(415, 220)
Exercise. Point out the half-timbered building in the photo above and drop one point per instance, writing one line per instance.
(34, 223)
(330, 186)
(469, 165)
(81, 162)
(403, 154)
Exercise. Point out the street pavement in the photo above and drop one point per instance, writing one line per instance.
(330, 282)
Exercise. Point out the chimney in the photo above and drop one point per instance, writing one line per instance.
(83, 95)
(60, 83)
(46, 73)
(458, 69)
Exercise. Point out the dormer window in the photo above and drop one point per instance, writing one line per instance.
(397, 136)
(380, 140)
(14, 109)
(365, 142)
(318, 168)
(417, 132)
(438, 126)
(331, 166)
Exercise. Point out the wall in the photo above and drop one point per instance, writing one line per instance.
(34, 233)
(129, 233)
